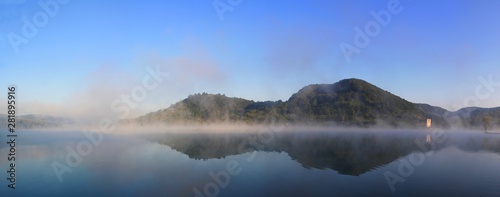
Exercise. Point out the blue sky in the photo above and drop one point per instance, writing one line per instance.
(90, 52)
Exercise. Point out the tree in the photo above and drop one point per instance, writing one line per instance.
(486, 123)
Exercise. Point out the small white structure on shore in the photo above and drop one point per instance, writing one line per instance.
(429, 123)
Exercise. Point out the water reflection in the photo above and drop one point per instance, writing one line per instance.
(284, 164)
(349, 153)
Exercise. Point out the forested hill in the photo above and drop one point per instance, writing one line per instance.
(349, 102)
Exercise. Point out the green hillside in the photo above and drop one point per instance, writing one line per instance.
(349, 102)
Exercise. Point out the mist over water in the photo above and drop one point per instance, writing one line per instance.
(271, 163)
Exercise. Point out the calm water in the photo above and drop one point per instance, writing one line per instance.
(374, 163)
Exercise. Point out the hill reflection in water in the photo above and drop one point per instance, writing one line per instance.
(349, 153)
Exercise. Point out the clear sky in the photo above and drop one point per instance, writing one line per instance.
(83, 54)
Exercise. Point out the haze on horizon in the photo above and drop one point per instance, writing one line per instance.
(90, 53)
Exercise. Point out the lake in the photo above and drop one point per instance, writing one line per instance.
(265, 163)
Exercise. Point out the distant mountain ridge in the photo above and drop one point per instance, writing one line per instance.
(349, 102)
(32, 121)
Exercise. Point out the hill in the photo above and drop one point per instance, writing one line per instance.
(200, 108)
(349, 102)
(352, 102)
